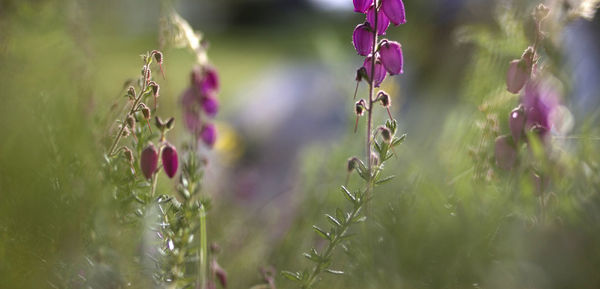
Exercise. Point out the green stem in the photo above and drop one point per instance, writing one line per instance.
(203, 251)
(371, 101)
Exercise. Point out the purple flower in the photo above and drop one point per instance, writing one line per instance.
(170, 161)
(362, 38)
(505, 152)
(539, 100)
(516, 121)
(208, 134)
(210, 105)
(382, 21)
(191, 110)
(518, 74)
(149, 161)
(362, 5)
(394, 10)
(379, 70)
(206, 81)
(391, 56)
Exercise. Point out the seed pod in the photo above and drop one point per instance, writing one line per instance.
(394, 10)
(145, 111)
(170, 160)
(361, 6)
(362, 38)
(149, 161)
(382, 21)
(391, 56)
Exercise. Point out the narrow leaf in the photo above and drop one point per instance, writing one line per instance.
(321, 233)
(336, 272)
(385, 180)
(333, 220)
(291, 275)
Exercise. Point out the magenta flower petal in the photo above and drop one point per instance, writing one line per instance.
(362, 38)
(539, 100)
(505, 152)
(210, 105)
(391, 56)
(382, 21)
(516, 77)
(394, 10)
(170, 160)
(208, 134)
(191, 110)
(362, 5)
(379, 70)
(205, 81)
(149, 161)
(516, 121)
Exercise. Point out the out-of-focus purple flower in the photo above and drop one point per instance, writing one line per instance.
(505, 152)
(170, 160)
(391, 56)
(362, 38)
(191, 110)
(208, 134)
(149, 161)
(362, 5)
(394, 10)
(210, 105)
(516, 122)
(379, 70)
(382, 21)
(518, 74)
(539, 99)
(206, 81)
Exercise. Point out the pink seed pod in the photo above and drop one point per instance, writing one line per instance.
(379, 70)
(516, 122)
(149, 161)
(382, 21)
(518, 74)
(362, 38)
(394, 10)
(210, 105)
(208, 134)
(505, 152)
(361, 6)
(391, 56)
(170, 160)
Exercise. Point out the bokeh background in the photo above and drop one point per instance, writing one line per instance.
(450, 218)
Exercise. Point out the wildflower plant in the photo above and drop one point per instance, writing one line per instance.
(382, 57)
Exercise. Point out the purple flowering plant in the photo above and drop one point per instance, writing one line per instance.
(382, 57)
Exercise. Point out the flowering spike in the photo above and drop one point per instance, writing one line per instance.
(394, 10)
(208, 134)
(361, 6)
(149, 161)
(379, 70)
(391, 56)
(383, 22)
(170, 160)
(362, 38)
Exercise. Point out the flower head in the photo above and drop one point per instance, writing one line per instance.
(361, 6)
(382, 21)
(391, 56)
(362, 38)
(208, 134)
(394, 10)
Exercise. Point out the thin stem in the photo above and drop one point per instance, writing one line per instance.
(371, 101)
(203, 251)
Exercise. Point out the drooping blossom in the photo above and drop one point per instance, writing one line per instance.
(205, 80)
(379, 74)
(210, 106)
(362, 38)
(394, 10)
(170, 160)
(539, 100)
(391, 56)
(149, 161)
(361, 6)
(208, 134)
(382, 21)
(516, 77)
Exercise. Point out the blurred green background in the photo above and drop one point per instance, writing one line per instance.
(450, 218)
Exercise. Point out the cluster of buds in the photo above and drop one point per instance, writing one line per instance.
(200, 104)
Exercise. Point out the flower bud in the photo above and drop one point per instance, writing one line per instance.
(518, 74)
(352, 164)
(382, 21)
(208, 134)
(170, 160)
(362, 5)
(379, 70)
(516, 122)
(394, 10)
(158, 56)
(210, 105)
(149, 161)
(362, 38)
(505, 152)
(391, 56)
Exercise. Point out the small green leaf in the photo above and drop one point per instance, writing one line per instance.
(360, 219)
(321, 233)
(348, 195)
(339, 214)
(336, 272)
(398, 140)
(385, 180)
(333, 220)
(291, 275)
